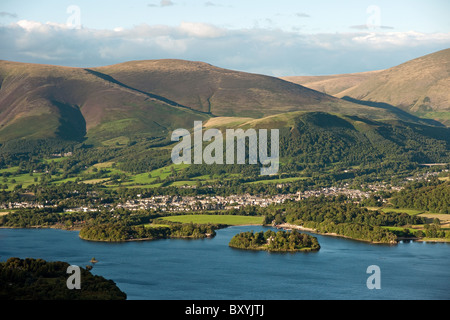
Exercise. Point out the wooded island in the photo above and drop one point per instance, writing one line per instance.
(281, 241)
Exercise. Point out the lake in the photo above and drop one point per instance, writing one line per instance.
(208, 269)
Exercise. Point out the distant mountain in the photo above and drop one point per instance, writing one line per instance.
(332, 84)
(137, 100)
(420, 86)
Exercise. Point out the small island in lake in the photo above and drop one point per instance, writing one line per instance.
(281, 241)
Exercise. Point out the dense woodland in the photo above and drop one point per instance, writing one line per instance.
(122, 232)
(431, 195)
(344, 218)
(48, 217)
(123, 225)
(37, 279)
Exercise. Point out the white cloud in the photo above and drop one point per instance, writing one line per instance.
(200, 30)
(36, 26)
(273, 51)
(400, 39)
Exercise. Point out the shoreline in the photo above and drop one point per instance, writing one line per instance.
(284, 226)
(297, 227)
(146, 239)
(276, 251)
(43, 227)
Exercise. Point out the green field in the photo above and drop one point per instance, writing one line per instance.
(217, 219)
(183, 183)
(282, 180)
(411, 212)
(23, 179)
(146, 180)
(151, 179)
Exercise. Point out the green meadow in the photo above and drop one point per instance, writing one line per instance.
(411, 212)
(217, 219)
(14, 178)
(281, 180)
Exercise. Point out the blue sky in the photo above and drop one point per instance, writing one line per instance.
(284, 37)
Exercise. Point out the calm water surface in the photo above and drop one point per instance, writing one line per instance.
(209, 269)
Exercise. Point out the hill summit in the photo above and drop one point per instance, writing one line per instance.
(420, 86)
(148, 99)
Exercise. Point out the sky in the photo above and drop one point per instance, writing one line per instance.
(278, 38)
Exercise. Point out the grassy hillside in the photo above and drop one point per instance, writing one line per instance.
(420, 86)
(117, 121)
(41, 102)
(332, 84)
(223, 92)
(145, 100)
(312, 144)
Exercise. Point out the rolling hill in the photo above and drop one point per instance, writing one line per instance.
(420, 86)
(42, 101)
(312, 138)
(147, 99)
(137, 101)
(218, 91)
(332, 84)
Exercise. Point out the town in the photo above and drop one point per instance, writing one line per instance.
(174, 203)
(199, 203)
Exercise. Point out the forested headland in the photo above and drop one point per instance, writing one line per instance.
(118, 232)
(37, 279)
(331, 215)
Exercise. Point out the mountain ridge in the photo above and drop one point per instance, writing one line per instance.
(419, 86)
(146, 99)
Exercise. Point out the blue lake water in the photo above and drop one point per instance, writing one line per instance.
(209, 269)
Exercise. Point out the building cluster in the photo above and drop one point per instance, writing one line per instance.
(62, 154)
(197, 203)
(193, 203)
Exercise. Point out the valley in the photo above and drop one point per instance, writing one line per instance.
(90, 150)
(224, 152)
